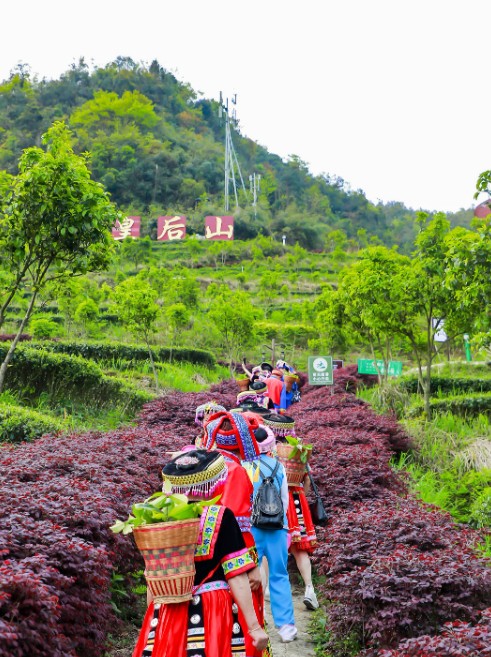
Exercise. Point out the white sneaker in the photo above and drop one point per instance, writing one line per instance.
(310, 599)
(288, 633)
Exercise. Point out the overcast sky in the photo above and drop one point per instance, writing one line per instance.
(392, 96)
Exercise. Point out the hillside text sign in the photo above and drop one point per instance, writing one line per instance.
(171, 228)
(128, 227)
(370, 366)
(320, 371)
(219, 228)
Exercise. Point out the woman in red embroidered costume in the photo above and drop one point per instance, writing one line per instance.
(232, 435)
(208, 625)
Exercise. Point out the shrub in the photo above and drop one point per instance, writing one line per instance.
(18, 424)
(8, 337)
(396, 569)
(448, 385)
(35, 371)
(457, 639)
(59, 498)
(43, 328)
(480, 512)
(468, 405)
(106, 351)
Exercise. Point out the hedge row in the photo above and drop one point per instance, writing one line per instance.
(394, 568)
(463, 405)
(104, 351)
(59, 497)
(18, 424)
(8, 337)
(448, 385)
(63, 377)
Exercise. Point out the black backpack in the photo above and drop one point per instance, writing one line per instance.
(267, 507)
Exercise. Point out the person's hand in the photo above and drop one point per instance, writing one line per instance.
(254, 577)
(259, 638)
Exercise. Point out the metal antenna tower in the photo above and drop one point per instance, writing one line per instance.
(231, 161)
(255, 183)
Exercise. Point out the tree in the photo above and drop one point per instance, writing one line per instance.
(177, 316)
(372, 300)
(86, 312)
(54, 223)
(137, 309)
(233, 315)
(386, 296)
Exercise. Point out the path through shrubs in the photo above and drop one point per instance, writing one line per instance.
(395, 570)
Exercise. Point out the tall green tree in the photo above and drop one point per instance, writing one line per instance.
(372, 300)
(54, 223)
(137, 309)
(234, 316)
(386, 296)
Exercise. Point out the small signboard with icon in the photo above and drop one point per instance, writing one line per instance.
(320, 371)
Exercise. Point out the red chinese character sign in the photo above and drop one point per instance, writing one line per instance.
(171, 228)
(128, 227)
(219, 228)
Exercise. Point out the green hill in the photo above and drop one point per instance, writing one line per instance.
(158, 149)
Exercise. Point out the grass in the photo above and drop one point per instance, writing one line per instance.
(183, 376)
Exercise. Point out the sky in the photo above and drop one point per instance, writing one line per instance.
(392, 96)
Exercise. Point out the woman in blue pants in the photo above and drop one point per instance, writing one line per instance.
(272, 543)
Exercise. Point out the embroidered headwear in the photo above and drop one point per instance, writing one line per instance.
(231, 431)
(245, 396)
(251, 406)
(197, 473)
(265, 438)
(281, 425)
(258, 387)
(206, 409)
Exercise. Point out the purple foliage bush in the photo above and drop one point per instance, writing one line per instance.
(395, 570)
(59, 497)
(457, 639)
(8, 337)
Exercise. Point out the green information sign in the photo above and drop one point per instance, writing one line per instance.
(320, 371)
(369, 366)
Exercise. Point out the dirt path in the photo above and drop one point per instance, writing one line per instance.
(303, 645)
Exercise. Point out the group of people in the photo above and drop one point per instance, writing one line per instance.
(238, 565)
(274, 392)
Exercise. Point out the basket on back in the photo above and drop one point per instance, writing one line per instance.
(168, 551)
(295, 469)
(289, 380)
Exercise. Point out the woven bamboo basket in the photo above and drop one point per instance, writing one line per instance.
(289, 380)
(243, 384)
(168, 551)
(295, 469)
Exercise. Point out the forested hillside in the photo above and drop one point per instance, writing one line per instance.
(157, 147)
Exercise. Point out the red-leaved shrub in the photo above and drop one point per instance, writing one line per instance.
(59, 497)
(394, 569)
(457, 639)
